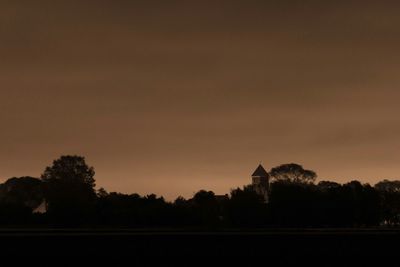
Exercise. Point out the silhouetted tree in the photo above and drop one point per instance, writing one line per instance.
(362, 204)
(328, 185)
(18, 198)
(334, 210)
(122, 210)
(294, 204)
(180, 201)
(116, 209)
(101, 193)
(69, 190)
(24, 191)
(183, 213)
(293, 173)
(388, 186)
(206, 208)
(390, 201)
(246, 208)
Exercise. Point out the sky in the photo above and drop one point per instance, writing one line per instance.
(170, 97)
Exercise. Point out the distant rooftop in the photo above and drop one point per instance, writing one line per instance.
(260, 171)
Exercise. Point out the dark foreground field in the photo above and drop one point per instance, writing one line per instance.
(143, 248)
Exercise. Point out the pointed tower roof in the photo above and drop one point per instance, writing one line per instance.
(260, 172)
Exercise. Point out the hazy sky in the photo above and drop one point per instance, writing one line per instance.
(174, 96)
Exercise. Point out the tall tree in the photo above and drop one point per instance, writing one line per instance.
(69, 189)
(294, 173)
(70, 169)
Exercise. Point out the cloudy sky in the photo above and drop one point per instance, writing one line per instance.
(174, 96)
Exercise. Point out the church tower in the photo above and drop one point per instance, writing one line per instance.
(261, 182)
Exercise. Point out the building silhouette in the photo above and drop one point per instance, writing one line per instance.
(260, 182)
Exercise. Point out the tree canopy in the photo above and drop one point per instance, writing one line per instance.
(69, 189)
(294, 173)
(388, 186)
(68, 186)
(70, 169)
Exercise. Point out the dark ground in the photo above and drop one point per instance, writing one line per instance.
(163, 248)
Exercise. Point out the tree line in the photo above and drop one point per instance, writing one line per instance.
(66, 192)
